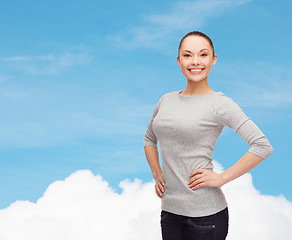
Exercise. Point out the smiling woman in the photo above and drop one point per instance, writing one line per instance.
(187, 124)
(196, 56)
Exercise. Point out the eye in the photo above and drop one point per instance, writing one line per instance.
(204, 54)
(186, 55)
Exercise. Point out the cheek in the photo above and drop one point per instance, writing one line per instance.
(182, 65)
(207, 63)
(186, 63)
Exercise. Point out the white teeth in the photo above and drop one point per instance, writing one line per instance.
(196, 70)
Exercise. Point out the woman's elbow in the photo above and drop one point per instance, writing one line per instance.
(270, 150)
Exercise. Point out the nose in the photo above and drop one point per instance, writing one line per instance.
(196, 60)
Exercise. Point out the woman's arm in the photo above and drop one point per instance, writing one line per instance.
(204, 177)
(232, 115)
(260, 149)
(151, 153)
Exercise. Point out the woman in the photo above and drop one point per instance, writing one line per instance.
(187, 124)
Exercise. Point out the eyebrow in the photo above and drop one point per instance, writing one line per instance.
(200, 51)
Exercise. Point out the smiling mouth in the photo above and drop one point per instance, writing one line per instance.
(196, 70)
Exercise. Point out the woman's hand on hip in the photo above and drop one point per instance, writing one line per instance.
(204, 178)
(159, 186)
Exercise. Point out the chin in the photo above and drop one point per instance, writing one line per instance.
(196, 79)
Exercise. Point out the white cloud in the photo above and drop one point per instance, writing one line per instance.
(266, 85)
(182, 15)
(187, 13)
(50, 64)
(84, 206)
(29, 58)
(65, 113)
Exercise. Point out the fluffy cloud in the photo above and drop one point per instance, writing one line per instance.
(180, 16)
(84, 206)
(50, 64)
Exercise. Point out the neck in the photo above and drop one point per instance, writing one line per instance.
(197, 88)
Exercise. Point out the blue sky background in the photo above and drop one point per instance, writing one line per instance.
(79, 81)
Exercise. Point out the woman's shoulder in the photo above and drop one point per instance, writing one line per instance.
(225, 107)
(224, 99)
(168, 94)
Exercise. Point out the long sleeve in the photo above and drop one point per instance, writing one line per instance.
(187, 128)
(150, 138)
(234, 117)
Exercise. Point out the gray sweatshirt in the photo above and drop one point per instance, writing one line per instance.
(187, 128)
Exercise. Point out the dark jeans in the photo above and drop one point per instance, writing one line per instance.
(178, 227)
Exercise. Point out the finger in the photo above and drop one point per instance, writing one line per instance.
(197, 171)
(197, 177)
(158, 191)
(158, 195)
(199, 185)
(162, 181)
(161, 188)
(198, 181)
(194, 178)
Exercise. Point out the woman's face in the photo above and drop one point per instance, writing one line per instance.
(196, 58)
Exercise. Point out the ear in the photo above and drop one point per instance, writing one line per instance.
(178, 61)
(214, 59)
